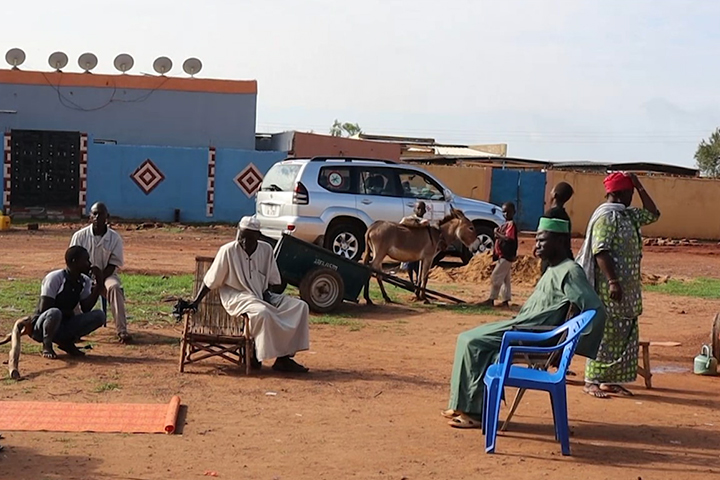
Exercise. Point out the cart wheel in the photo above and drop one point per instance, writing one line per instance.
(322, 289)
(715, 340)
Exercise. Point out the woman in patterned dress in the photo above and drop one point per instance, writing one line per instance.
(613, 244)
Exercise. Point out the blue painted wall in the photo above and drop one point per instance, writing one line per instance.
(185, 184)
(184, 187)
(134, 116)
(231, 203)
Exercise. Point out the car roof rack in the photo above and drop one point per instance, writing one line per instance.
(351, 159)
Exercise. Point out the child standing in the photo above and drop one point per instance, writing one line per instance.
(415, 220)
(505, 252)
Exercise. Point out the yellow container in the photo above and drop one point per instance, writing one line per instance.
(4, 222)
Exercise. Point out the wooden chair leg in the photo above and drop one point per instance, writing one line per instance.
(646, 366)
(249, 354)
(183, 346)
(516, 403)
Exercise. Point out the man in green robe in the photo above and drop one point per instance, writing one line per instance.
(562, 291)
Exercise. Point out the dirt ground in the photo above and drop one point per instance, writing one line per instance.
(370, 406)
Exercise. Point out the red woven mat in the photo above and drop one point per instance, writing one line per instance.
(89, 417)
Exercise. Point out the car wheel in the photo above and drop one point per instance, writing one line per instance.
(486, 239)
(322, 289)
(346, 240)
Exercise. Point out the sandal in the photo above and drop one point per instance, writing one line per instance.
(616, 389)
(450, 413)
(124, 338)
(289, 365)
(594, 391)
(463, 421)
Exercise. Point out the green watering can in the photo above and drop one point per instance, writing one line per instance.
(705, 363)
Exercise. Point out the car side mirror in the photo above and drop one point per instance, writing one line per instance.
(449, 196)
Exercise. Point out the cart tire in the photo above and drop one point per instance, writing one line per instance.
(715, 341)
(322, 289)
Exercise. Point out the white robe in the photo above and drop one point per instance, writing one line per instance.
(279, 328)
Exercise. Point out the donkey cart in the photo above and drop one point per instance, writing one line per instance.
(326, 279)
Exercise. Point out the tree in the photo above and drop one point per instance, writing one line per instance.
(344, 129)
(707, 155)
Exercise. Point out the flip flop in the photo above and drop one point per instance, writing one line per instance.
(464, 422)
(595, 391)
(617, 389)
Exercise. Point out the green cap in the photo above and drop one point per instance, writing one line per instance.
(556, 225)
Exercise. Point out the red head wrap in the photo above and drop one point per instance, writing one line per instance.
(617, 182)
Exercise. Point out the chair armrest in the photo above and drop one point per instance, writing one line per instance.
(531, 328)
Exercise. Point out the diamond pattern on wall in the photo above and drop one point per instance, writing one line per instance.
(249, 180)
(147, 176)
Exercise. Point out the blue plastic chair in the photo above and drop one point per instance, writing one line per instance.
(504, 374)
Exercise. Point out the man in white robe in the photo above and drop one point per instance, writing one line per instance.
(242, 272)
(106, 252)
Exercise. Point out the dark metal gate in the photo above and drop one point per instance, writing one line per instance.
(45, 168)
(525, 188)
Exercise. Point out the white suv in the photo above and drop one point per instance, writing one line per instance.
(331, 201)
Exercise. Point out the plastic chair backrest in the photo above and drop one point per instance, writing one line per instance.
(575, 327)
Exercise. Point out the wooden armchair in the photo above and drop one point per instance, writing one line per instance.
(211, 332)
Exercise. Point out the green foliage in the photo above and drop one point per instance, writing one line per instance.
(697, 287)
(147, 296)
(707, 155)
(344, 129)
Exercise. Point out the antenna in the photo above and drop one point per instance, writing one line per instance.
(192, 66)
(58, 60)
(123, 62)
(87, 62)
(162, 65)
(15, 57)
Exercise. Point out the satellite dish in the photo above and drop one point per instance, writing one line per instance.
(87, 61)
(162, 65)
(123, 62)
(15, 57)
(58, 60)
(192, 66)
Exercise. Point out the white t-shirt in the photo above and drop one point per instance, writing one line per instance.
(54, 282)
(104, 250)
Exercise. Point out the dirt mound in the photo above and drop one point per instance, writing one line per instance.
(650, 279)
(525, 271)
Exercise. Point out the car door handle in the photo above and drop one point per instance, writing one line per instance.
(365, 201)
(410, 204)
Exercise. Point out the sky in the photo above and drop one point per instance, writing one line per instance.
(602, 80)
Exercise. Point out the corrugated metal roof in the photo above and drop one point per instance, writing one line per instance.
(461, 152)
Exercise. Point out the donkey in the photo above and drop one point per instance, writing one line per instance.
(410, 244)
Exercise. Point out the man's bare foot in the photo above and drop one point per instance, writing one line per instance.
(71, 349)
(451, 413)
(594, 390)
(49, 353)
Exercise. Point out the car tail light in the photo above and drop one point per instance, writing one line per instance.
(290, 228)
(300, 194)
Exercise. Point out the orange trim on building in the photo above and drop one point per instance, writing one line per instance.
(140, 82)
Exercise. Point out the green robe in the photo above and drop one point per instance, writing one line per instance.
(477, 349)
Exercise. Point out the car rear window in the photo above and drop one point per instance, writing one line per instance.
(280, 178)
(335, 179)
